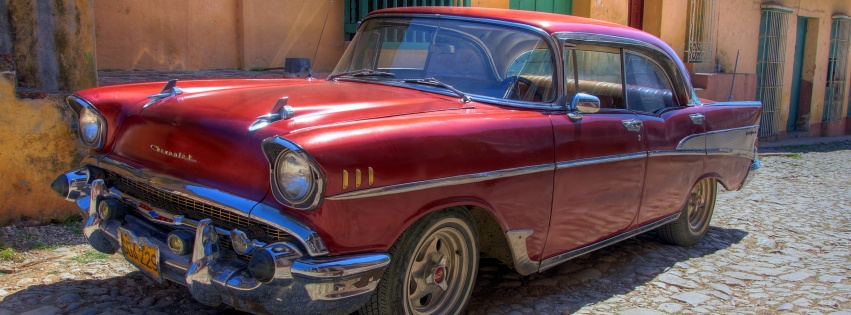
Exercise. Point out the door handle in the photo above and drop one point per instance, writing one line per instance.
(697, 119)
(632, 124)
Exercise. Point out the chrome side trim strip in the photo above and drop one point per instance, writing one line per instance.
(600, 160)
(558, 259)
(676, 153)
(442, 182)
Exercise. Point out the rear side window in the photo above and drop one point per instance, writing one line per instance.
(648, 87)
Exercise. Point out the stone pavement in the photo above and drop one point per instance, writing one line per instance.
(782, 246)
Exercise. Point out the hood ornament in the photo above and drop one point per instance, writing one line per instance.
(280, 111)
(169, 90)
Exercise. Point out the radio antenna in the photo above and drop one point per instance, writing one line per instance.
(315, 52)
(735, 69)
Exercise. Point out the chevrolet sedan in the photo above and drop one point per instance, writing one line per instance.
(444, 135)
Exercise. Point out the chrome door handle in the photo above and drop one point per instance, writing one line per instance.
(632, 124)
(697, 119)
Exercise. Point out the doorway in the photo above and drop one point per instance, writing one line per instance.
(795, 97)
(636, 14)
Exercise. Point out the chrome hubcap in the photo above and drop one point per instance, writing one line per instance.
(435, 273)
(700, 204)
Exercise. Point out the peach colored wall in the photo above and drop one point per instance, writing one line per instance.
(275, 30)
(165, 34)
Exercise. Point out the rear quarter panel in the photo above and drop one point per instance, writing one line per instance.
(732, 129)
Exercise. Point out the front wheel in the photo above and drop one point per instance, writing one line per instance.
(690, 227)
(432, 268)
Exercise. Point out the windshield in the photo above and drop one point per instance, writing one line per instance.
(475, 58)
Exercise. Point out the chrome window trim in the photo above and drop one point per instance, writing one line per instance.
(442, 182)
(669, 65)
(601, 160)
(548, 38)
(237, 205)
(77, 104)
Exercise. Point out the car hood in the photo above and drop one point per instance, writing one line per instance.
(202, 135)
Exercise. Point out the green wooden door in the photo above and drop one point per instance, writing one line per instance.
(794, 99)
(552, 6)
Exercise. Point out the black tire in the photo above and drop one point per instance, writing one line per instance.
(442, 245)
(694, 219)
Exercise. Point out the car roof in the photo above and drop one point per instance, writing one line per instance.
(549, 22)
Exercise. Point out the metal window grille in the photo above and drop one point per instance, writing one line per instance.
(769, 68)
(356, 10)
(701, 32)
(837, 69)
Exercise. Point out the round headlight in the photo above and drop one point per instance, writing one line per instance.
(294, 177)
(90, 127)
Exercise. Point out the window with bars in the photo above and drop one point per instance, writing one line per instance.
(701, 30)
(356, 10)
(769, 67)
(837, 68)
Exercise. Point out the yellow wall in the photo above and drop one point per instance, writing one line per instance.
(499, 4)
(38, 145)
(615, 11)
(667, 19)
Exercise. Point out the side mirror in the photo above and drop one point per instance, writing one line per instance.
(582, 103)
(585, 103)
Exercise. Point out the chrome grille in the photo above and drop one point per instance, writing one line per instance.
(190, 208)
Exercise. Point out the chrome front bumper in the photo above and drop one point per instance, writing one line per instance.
(301, 284)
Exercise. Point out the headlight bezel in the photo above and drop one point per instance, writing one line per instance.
(276, 148)
(80, 108)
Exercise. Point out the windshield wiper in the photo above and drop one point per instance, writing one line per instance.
(435, 82)
(361, 73)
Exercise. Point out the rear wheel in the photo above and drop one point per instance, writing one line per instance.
(694, 219)
(432, 268)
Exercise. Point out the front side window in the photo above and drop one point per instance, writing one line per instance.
(479, 59)
(598, 73)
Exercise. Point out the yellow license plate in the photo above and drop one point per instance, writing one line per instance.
(141, 253)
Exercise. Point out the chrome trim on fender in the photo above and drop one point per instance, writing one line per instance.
(517, 243)
(273, 148)
(600, 160)
(77, 104)
(335, 267)
(734, 141)
(558, 259)
(442, 182)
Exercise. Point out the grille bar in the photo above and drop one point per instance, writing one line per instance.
(193, 209)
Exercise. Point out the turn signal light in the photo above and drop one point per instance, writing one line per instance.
(180, 242)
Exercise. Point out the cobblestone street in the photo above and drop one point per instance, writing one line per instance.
(783, 245)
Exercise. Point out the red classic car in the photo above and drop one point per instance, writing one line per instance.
(443, 135)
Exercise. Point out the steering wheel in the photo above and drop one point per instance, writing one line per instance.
(516, 92)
